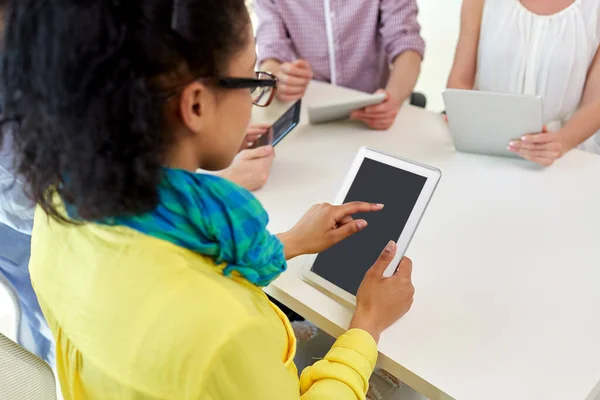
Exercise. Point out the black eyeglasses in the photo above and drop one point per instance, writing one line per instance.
(262, 88)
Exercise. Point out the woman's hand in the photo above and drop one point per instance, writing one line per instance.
(542, 148)
(251, 168)
(382, 301)
(323, 226)
(253, 133)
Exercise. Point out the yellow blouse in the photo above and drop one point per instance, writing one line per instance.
(135, 317)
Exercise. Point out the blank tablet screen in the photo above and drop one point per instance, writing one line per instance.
(346, 263)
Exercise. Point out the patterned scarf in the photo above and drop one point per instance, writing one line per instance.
(214, 217)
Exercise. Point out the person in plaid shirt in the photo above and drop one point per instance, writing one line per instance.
(371, 46)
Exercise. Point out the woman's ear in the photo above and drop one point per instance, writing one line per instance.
(192, 106)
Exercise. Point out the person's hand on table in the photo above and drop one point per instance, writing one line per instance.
(543, 148)
(380, 116)
(323, 226)
(293, 79)
(253, 133)
(382, 301)
(250, 168)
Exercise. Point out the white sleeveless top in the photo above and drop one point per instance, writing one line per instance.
(549, 56)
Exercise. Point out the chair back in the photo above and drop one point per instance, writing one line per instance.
(23, 375)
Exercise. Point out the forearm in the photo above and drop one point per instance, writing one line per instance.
(362, 320)
(464, 66)
(457, 83)
(581, 126)
(403, 78)
(462, 75)
(289, 246)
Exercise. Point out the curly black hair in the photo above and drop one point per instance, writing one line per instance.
(81, 93)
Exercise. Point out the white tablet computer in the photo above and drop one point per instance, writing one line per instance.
(485, 122)
(341, 109)
(405, 188)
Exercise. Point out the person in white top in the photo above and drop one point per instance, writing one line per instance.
(547, 48)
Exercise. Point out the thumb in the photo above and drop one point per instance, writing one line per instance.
(385, 258)
(545, 129)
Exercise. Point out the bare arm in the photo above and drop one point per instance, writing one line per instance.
(405, 71)
(462, 75)
(586, 121)
(400, 32)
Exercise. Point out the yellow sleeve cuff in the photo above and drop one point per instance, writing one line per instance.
(350, 362)
(362, 342)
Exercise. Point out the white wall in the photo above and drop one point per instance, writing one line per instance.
(440, 22)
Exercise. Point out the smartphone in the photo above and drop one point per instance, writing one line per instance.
(284, 125)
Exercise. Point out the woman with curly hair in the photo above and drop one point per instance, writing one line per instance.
(148, 273)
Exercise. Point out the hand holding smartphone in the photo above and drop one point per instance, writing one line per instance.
(284, 125)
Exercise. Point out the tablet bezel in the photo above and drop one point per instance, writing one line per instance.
(339, 110)
(433, 176)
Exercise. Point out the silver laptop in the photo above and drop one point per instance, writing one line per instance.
(485, 122)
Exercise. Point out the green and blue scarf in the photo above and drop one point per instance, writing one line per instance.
(214, 217)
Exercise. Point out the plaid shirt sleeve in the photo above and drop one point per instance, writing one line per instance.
(399, 28)
(272, 37)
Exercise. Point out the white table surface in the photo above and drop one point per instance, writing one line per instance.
(506, 260)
